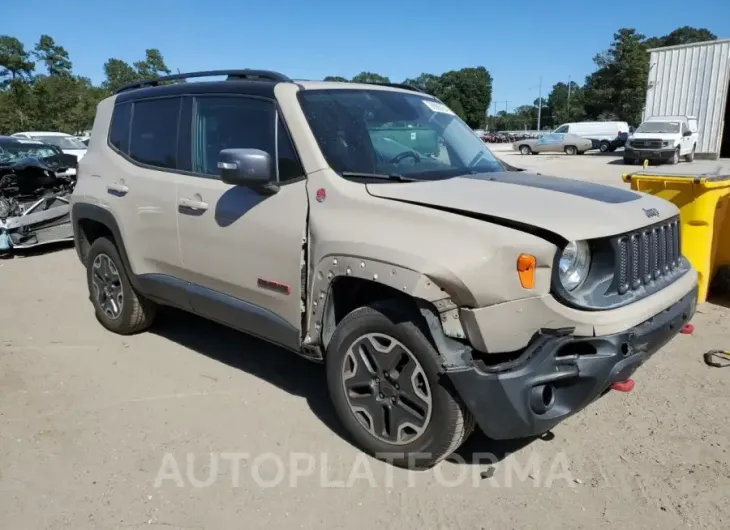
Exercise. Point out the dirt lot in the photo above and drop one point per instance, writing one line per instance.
(102, 431)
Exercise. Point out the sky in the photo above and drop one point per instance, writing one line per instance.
(526, 45)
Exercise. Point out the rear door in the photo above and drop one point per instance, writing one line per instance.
(242, 250)
(139, 175)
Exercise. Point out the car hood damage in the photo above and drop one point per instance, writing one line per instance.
(549, 206)
(34, 201)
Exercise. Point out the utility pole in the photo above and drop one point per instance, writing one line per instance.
(539, 103)
(569, 87)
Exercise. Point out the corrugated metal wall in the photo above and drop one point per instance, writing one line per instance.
(691, 79)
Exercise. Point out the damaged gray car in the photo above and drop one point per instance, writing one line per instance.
(36, 180)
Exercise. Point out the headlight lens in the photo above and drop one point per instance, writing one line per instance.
(575, 261)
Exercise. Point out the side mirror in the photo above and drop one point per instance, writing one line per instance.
(687, 133)
(247, 167)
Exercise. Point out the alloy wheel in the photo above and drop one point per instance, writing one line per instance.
(387, 389)
(107, 286)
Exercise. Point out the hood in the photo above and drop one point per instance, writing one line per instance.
(571, 209)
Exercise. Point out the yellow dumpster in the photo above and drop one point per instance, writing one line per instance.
(704, 208)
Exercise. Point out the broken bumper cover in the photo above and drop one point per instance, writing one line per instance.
(45, 221)
(560, 374)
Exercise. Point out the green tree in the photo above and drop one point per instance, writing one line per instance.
(152, 66)
(469, 89)
(370, 77)
(15, 61)
(335, 78)
(683, 35)
(53, 56)
(118, 73)
(428, 83)
(566, 103)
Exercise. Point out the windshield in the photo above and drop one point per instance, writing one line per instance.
(16, 151)
(665, 127)
(385, 132)
(64, 142)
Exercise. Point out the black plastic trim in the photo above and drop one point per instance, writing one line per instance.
(245, 74)
(578, 370)
(227, 310)
(81, 211)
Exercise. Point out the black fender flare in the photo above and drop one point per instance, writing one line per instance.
(92, 212)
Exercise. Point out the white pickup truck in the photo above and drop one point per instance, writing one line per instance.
(663, 138)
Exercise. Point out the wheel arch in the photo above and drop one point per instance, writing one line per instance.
(341, 284)
(91, 222)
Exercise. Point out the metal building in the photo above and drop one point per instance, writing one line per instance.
(694, 79)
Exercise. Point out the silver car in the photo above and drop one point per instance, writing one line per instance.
(571, 144)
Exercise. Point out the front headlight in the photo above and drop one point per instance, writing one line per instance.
(575, 261)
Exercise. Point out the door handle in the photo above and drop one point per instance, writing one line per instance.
(192, 204)
(117, 187)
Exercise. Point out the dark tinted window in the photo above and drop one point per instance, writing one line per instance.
(289, 166)
(154, 132)
(119, 130)
(230, 122)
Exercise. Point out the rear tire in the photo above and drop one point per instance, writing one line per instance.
(380, 368)
(525, 150)
(604, 146)
(119, 308)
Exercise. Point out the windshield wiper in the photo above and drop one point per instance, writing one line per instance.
(382, 176)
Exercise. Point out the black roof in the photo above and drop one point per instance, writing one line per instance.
(250, 82)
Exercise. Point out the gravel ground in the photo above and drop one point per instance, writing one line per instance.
(194, 426)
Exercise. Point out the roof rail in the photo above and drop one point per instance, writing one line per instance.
(230, 75)
(404, 86)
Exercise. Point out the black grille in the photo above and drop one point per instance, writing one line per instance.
(647, 144)
(647, 255)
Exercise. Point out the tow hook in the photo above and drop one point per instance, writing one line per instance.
(623, 386)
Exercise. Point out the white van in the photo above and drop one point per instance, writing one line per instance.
(663, 138)
(606, 135)
(68, 144)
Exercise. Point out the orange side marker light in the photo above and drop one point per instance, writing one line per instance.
(526, 270)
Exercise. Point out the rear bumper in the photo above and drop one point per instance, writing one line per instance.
(649, 154)
(559, 374)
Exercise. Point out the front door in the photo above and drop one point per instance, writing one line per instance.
(242, 250)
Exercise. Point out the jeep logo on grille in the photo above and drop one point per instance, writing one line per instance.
(651, 212)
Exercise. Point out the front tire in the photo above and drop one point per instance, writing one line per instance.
(690, 157)
(119, 308)
(675, 157)
(384, 378)
(525, 150)
(570, 150)
(604, 146)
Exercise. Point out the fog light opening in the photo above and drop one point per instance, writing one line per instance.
(625, 349)
(542, 398)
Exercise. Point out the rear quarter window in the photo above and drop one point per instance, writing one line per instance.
(119, 129)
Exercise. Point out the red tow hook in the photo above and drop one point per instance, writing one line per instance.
(687, 329)
(623, 386)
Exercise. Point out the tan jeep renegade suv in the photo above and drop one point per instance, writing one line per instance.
(367, 227)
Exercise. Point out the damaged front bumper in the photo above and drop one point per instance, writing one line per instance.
(559, 374)
(45, 221)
